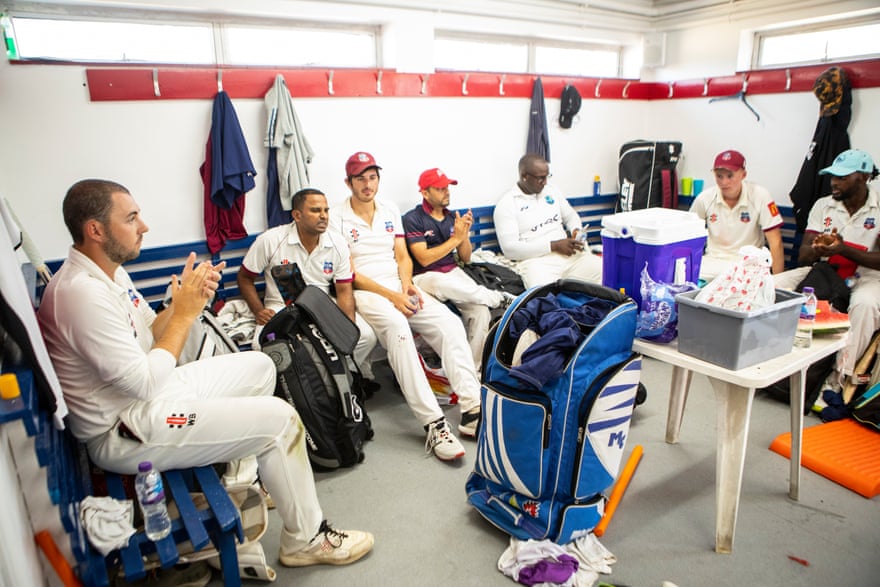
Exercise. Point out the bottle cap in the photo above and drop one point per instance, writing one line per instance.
(595, 178)
(145, 466)
(9, 386)
(808, 290)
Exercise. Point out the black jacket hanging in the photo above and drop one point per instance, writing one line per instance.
(538, 141)
(831, 138)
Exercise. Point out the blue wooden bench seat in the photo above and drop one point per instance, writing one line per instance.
(69, 481)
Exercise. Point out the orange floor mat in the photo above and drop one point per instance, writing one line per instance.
(844, 451)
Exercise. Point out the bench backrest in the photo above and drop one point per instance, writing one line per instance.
(151, 270)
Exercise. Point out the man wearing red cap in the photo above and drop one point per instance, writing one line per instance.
(387, 298)
(737, 214)
(433, 234)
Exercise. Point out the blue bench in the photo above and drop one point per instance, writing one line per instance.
(151, 270)
(69, 481)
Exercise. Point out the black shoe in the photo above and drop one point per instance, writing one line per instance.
(370, 387)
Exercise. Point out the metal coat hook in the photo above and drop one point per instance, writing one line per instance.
(706, 87)
(424, 89)
(501, 85)
(671, 89)
(464, 90)
(626, 89)
(379, 82)
(156, 91)
(787, 80)
(598, 85)
(330, 82)
(741, 96)
(219, 80)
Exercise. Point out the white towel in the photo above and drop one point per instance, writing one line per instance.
(107, 522)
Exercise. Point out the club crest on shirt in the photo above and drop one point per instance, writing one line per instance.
(774, 211)
(744, 216)
(549, 199)
(826, 222)
(135, 300)
(355, 235)
(428, 233)
(389, 226)
(180, 420)
(328, 267)
(870, 223)
(713, 217)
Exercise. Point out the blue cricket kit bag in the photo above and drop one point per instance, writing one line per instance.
(554, 426)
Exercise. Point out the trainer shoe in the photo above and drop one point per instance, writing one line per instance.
(330, 547)
(470, 423)
(442, 442)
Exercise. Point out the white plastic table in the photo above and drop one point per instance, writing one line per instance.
(734, 391)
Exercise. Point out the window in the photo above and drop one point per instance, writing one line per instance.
(125, 42)
(190, 43)
(299, 47)
(575, 61)
(854, 40)
(469, 55)
(524, 56)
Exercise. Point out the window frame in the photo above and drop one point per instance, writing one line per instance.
(217, 25)
(761, 36)
(532, 44)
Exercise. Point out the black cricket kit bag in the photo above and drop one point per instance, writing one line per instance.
(311, 342)
(555, 422)
(647, 176)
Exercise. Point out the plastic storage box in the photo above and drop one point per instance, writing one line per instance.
(670, 241)
(735, 339)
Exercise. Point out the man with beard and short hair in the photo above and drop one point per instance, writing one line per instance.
(116, 360)
(852, 215)
(433, 235)
(322, 258)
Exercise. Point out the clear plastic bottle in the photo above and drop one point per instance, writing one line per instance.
(597, 185)
(803, 338)
(414, 300)
(151, 497)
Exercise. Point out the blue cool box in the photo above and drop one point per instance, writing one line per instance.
(671, 242)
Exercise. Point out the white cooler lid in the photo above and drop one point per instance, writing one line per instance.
(654, 226)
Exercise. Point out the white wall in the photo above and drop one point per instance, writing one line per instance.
(53, 136)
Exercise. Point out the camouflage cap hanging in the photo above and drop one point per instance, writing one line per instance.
(829, 89)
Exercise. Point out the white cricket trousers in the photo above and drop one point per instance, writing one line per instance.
(443, 331)
(471, 299)
(548, 268)
(217, 410)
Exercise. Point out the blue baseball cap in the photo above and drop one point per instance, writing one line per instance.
(851, 161)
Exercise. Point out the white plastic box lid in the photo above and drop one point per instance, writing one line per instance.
(654, 226)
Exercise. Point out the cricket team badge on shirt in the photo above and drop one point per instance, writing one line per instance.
(389, 226)
(328, 267)
(870, 223)
(549, 199)
(745, 217)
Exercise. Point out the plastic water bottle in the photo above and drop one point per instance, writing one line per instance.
(151, 497)
(597, 186)
(803, 338)
(414, 300)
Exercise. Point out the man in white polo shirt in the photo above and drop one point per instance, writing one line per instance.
(322, 258)
(852, 211)
(737, 213)
(388, 300)
(531, 221)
